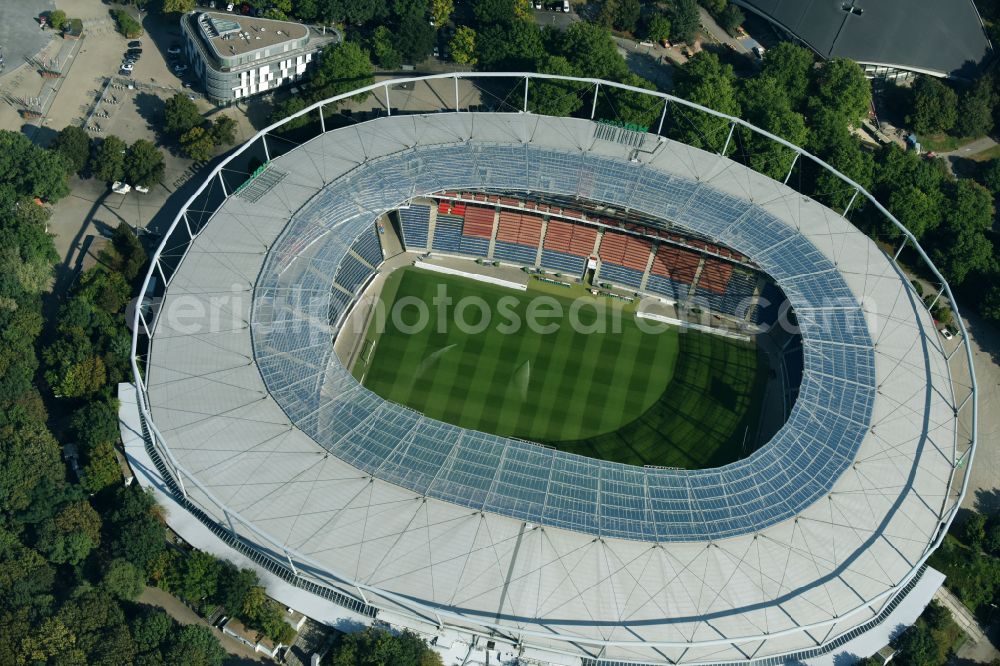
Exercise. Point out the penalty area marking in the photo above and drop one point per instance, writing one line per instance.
(471, 276)
(698, 327)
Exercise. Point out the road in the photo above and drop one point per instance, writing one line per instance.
(717, 33)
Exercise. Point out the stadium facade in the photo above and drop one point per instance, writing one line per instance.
(262, 433)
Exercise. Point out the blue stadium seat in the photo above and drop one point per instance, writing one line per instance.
(368, 247)
(352, 274)
(561, 261)
(620, 275)
(664, 286)
(448, 234)
(415, 221)
(515, 252)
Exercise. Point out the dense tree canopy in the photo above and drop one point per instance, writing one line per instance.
(790, 65)
(684, 19)
(73, 143)
(840, 85)
(975, 108)
(935, 106)
(30, 170)
(378, 647)
(144, 164)
(766, 105)
(108, 162)
(342, 68)
(463, 46)
(556, 98)
(705, 80)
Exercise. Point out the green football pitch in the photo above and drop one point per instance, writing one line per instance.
(603, 388)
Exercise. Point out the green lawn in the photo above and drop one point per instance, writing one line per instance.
(675, 398)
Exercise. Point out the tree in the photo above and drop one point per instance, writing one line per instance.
(342, 68)
(415, 37)
(494, 12)
(989, 308)
(975, 108)
(234, 586)
(57, 18)
(960, 245)
(974, 529)
(223, 131)
(195, 645)
(590, 48)
(129, 256)
(95, 423)
(628, 106)
(198, 577)
(684, 19)
(126, 24)
(29, 458)
(123, 580)
(180, 115)
(384, 47)
(463, 46)
(150, 628)
(555, 98)
(989, 176)
(70, 535)
(441, 11)
(658, 27)
(134, 527)
(790, 65)
(177, 6)
(378, 647)
(935, 106)
(704, 80)
(73, 143)
(916, 646)
(198, 144)
(840, 85)
(108, 162)
(731, 18)
(510, 46)
(766, 105)
(143, 164)
(101, 469)
(917, 209)
(30, 170)
(621, 14)
(306, 10)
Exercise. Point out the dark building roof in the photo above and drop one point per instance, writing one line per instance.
(943, 37)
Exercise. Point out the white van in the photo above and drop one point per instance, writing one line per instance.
(566, 6)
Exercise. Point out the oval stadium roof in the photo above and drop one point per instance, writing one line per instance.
(426, 520)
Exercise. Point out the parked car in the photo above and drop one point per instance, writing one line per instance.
(180, 68)
(142, 190)
(135, 44)
(174, 49)
(565, 6)
(946, 334)
(229, 7)
(119, 187)
(127, 67)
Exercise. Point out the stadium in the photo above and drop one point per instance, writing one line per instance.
(759, 481)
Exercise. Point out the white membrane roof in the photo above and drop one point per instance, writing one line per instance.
(799, 543)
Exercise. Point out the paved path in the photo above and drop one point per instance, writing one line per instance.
(154, 596)
(978, 648)
(21, 37)
(717, 33)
